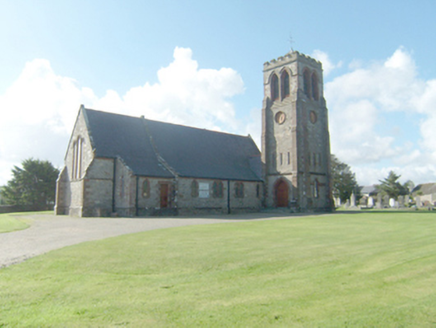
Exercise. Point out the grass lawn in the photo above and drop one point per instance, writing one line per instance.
(8, 222)
(342, 270)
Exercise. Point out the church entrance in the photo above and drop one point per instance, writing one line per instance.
(164, 195)
(282, 193)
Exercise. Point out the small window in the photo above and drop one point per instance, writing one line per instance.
(274, 160)
(239, 190)
(281, 159)
(314, 159)
(316, 189)
(274, 87)
(194, 189)
(146, 189)
(289, 158)
(285, 84)
(258, 190)
(217, 189)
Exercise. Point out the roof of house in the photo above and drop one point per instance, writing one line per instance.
(147, 147)
(425, 189)
(369, 190)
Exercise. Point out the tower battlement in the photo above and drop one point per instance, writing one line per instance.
(289, 58)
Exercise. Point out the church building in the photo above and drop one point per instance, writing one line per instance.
(131, 166)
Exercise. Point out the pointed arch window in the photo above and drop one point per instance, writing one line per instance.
(315, 89)
(284, 82)
(77, 158)
(194, 189)
(217, 189)
(306, 82)
(239, 190)
(274, 87)
(146, 188)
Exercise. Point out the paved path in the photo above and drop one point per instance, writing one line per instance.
(49, 232)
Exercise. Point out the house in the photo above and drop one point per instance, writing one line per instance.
(132, 166)
(425, 194)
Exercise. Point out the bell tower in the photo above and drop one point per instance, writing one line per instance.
(295, 135)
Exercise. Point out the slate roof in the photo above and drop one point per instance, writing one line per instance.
(190, 152)
(425, 188)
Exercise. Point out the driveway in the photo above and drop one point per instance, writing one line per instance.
(49, 232)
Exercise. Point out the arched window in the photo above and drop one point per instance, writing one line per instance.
(239, 190)
(146, 189)
(284, 82)
(217, 189)
(274, 87)
(306, 81)
(258, 190)
(194, 188)
(316, 188)
(315, 90)
(77, 158)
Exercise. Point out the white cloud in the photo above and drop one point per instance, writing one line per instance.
(327, 64)
(382, 118)
(39, 109)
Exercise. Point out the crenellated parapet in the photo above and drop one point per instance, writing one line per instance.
(290, 57)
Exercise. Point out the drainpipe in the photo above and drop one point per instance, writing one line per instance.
(136, 200)
(113, 185)
(228, 197)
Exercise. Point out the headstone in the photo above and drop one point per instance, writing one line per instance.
(400, 201)
(391, 202)
(347, 203)
(353, 200)
(406, 200)
(370, 201)
(385, 201)
(379, 201)
(418, 201)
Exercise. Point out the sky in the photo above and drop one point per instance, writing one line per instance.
(199, 63)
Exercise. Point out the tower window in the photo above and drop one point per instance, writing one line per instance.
(289, 158)
(315, 90)
(274, 87)
(281, 159)
(316, 189)
(306, 82)
(285, 84)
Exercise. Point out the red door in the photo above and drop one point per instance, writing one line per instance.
(164, 192)
(282, 192)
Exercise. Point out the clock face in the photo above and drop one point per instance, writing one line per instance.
(313, 117)
(280, 117)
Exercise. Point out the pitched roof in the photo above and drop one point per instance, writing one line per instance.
(190, 152)
(425, 189)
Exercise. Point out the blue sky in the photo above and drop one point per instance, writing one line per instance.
(200, 63)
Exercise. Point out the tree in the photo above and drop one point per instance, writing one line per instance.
(391, 187)
(344, 180)
(33, 184)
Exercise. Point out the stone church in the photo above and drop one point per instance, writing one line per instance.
(131, 166)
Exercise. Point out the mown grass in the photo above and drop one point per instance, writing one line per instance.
(10, 223)
(342, 270)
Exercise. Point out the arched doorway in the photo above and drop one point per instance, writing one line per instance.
(282, 193)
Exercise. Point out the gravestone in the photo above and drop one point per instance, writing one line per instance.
(400, 201)
(370, 201)
(385, 201)
(418, 201)
(353, 200)
(379, 201)
(391, 202)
